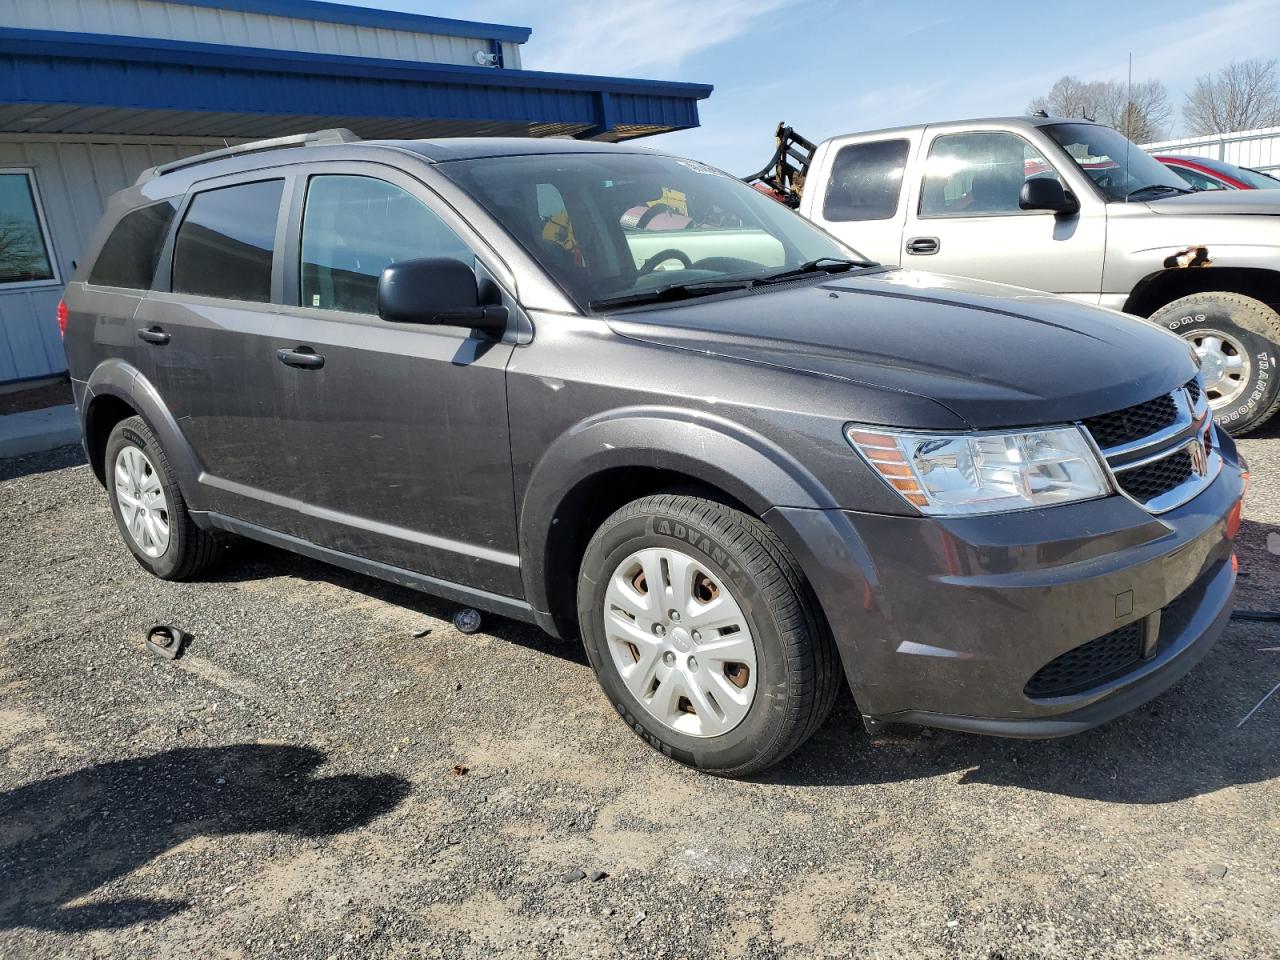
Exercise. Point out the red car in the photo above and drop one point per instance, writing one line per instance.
(1202, 173)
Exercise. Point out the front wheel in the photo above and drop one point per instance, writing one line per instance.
(1237, 339)
(704, 634)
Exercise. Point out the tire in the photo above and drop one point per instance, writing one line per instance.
(135, 461)
(1249, 333)
(792, 673)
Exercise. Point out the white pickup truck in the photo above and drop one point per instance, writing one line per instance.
(1067, 206)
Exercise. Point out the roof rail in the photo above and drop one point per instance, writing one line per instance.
(319, 138)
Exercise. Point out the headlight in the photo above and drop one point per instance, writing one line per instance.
(958, 474)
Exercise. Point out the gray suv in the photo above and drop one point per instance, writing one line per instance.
(625, 397)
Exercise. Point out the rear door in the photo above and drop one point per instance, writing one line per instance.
(862, 199)
(394, 443)
(211, 322)
(964, 218)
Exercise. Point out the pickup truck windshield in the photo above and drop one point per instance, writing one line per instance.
(618, 228)
(1118, 167)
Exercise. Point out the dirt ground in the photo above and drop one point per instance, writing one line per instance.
(292, 787)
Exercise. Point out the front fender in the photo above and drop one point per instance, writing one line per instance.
(115, 378)
(743, 464)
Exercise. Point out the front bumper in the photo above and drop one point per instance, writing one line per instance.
(944, 621)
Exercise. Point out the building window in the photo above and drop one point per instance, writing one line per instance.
(24, 239)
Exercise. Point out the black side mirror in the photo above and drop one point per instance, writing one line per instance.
(1046, 193)
(436, 290)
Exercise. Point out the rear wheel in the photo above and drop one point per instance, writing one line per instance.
(149, 508)
(1237, 339)
(704, 634)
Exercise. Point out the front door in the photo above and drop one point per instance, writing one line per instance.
(965, 219)
(394, 436)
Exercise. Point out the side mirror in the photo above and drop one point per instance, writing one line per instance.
(1046, 193)
(437, 290)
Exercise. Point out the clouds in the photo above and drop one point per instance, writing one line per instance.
(656, 38)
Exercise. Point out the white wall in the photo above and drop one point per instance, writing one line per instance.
(1257, 149)
(177, 21)
(74, 177)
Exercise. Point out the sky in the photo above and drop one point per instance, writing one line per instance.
(838, 66)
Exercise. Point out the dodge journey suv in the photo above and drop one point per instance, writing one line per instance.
(627, 398)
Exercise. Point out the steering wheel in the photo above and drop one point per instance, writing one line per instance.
(661, 257)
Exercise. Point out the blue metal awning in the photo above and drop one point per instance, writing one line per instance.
(61, 82)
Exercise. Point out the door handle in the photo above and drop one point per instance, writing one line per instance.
(153, 335)
(302, 357)
(923, 246)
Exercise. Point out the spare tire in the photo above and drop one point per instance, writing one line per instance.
(1237, 339)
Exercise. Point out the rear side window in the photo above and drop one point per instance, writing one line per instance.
(130, 255)
(227, 241)
(355, 227)
(866, 180)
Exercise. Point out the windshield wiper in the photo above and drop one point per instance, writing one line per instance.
(820, 265)
(1132, 194)
(701, 288)
(675, 291)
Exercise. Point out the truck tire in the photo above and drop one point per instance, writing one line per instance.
(1238, 340)
(149, 508)
(704, 634)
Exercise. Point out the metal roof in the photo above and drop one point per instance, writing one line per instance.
(54, 81)
(368, 17)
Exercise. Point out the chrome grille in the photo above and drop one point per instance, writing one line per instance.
(1160, 453)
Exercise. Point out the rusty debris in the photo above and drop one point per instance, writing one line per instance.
(1193, 256)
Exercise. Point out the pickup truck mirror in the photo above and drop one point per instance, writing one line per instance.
(1046, 193)
(437, 290)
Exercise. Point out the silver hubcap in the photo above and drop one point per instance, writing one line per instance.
(1224, 366)
(141, 500)
(680, 642)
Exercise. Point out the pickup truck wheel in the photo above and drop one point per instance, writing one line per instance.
(704, 634)
(1237, 339)
(149, 508)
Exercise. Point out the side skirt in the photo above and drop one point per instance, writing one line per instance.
(446, 589)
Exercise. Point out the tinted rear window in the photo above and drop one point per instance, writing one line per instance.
(227, 241)
(866, 179)
(130, 255)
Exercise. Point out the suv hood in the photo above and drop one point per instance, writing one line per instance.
(996, 356)
(1218, 202)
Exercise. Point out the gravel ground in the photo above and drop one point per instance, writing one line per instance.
(331, 770)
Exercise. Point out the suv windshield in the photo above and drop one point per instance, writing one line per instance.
(1117, 166)
(614, 228)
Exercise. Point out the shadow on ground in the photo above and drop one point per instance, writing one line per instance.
(251, 561)
(64, 837)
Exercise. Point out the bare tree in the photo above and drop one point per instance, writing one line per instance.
(19, 249)
(1243, 95)
(1070, 97)
(1141, 114)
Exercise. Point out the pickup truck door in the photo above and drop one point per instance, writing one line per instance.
(964, 218)
(858, 193)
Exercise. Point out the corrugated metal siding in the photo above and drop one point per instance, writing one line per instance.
(74, 180)
(176, 21)
(1257, 149)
